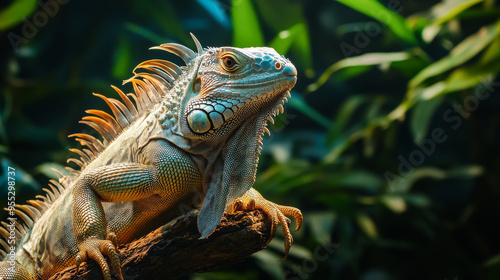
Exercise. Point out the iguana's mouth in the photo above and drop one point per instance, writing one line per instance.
(288, 74)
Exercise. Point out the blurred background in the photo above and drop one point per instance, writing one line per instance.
(389, 145)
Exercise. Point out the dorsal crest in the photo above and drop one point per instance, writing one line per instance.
(149, 89)
(156, 79)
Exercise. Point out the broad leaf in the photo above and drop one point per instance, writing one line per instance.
(464, 51)
(421, 118)
(246, 28)
(144, 32)
(16, 12)
(122, 59)
(367, 225)
(395, 203)
(376, 10)
(297, 39)
(298, 103)
(362, 60)
(449, 9)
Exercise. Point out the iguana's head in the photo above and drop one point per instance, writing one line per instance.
(234, 85)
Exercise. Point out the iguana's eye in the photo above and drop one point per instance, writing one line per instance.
(229, 63)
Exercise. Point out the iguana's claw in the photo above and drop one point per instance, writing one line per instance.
(253, 200)
(95, 249)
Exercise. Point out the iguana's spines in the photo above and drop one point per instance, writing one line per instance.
(199, 48)
(149, 90)
(19, 231)
(5, 246)
(183, 52)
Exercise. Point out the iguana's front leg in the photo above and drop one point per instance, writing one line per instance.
(252, 200)
(112, 183)
(171, 174)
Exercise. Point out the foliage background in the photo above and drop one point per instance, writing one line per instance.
(390, 144)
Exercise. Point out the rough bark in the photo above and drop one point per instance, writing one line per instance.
(176, 249)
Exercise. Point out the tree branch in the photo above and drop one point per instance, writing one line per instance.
(176, 249)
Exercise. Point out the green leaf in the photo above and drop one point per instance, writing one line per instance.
(164, 15)
(395, 203)
(404, 182)
(409, 68)
(468, 77)
(246, 28)
(298, 103)
(343, 145)
(351, 72)
(345, 114)
(492, 53)
(421, 118)
(122, 59)
(297, 39)
(16, 12)
(292, 30)
(492, 261)
(321, 224)
(394, 21)
(302, 49)
(417, 200)
(292, 9)
(144, 32)
(354, 179)
(367, 225)
(460, 79)
(464, 51)
(466, 172)
(283, 41)
(449, 9)
(486, 11)
(362, 60)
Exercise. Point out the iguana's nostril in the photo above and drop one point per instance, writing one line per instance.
(289, 70)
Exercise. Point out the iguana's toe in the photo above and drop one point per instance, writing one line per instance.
(113, 238)
(294, 212)
(253, 200)
(96, 249)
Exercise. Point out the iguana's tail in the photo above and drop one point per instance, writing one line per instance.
(12, 270)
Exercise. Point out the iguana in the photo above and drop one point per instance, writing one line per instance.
(185, 131)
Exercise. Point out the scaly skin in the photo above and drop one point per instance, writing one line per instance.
(253, 200)
(192, 138)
